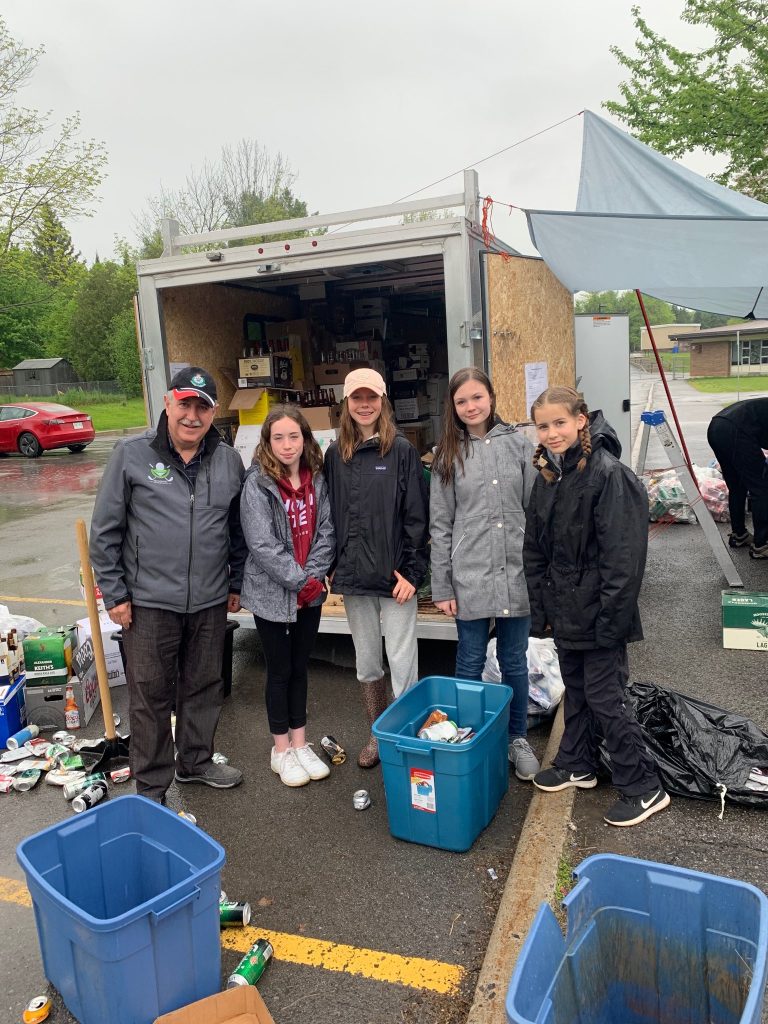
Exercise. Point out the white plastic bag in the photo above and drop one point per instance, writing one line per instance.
(23, 624)
(545, 684)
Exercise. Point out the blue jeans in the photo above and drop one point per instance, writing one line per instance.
(511, 651)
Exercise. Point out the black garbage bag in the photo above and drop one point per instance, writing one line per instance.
(698, 747)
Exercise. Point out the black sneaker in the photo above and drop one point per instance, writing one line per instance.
(551, 780)
(220, 776)
(761, 552)
(739, 540)
(631, 810)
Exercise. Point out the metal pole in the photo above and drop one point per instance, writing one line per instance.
(686, 456)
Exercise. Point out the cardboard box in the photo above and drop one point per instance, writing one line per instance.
(419, 434)
(48, 657)
(253, 404)
(346, 351)
(112, 656)
(242, 1005)
(45, 704)
(246, 440)
(412, 373)
(299, 336)
(412, 408)
(271, 370)
(417, 349)
(324, 438)
(334, 373)
(322, 417)
(745, 620)
(437, 389)
(371, 307)
(13, 711)
(371, 325)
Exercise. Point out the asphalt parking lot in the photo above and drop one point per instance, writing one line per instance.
(400, 928)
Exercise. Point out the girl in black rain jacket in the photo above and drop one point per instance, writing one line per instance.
(584, 557)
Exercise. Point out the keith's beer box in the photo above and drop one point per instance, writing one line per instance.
(745, 620)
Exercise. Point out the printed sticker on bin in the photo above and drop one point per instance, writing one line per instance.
(423, 790)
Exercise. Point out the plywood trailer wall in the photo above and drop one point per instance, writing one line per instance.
(204, 326)
(530, 320)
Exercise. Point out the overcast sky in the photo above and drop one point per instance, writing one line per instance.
(368, 102)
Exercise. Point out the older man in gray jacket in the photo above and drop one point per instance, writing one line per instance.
(168, 553)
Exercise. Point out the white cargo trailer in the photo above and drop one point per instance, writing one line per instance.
(469, 302)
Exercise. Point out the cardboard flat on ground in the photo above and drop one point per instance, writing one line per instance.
(241, 1005)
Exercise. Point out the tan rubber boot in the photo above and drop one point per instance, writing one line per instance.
(375, 702)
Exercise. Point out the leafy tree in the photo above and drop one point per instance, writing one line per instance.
(659, 312)
(52, 245)
(246, 185)
(105, 292)
(715, 98)
(40, 163)
(24, 304)
(123, 347)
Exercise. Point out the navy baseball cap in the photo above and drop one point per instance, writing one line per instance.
(194, 382)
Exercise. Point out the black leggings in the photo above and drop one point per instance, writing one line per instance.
(287, 657)
(744, 471)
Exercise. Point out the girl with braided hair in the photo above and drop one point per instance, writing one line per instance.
(481, 479)
(584, 554)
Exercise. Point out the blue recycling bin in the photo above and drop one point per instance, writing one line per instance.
(126, 900)
(444, 794)
(646, 943)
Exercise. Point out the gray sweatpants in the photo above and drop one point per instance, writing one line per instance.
(369, 617)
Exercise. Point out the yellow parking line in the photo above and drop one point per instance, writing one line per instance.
(413, 971)
(12, 891)
(41, 600)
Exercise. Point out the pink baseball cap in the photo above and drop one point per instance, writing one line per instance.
(364, 378)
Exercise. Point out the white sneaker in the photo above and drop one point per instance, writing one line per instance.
(286, 765)
(311, 763)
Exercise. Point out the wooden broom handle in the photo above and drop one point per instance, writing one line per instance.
(93, 616)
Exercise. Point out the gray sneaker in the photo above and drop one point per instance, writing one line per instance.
(220, 776)
(523, 758)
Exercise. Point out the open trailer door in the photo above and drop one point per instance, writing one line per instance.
(530, 334)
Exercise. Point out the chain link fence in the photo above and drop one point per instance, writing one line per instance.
(39, 392)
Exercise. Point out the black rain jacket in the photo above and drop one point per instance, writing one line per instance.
(585, 544)
(380, 510)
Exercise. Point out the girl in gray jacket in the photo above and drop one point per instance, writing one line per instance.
(286, 520)
(482, 475)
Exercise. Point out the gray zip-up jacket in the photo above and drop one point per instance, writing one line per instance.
(156, 540)
(477, 525)
(273, 577)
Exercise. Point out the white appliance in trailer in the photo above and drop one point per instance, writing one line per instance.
(602, 369)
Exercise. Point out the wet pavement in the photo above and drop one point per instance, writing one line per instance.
(311, 866)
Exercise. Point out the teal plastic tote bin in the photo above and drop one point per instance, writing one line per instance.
(646, 943)
(126, 900)
(444, 794)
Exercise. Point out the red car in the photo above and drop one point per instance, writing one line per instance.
(35, 427)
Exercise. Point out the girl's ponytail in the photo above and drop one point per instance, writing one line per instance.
(540, 463)
(585, 439)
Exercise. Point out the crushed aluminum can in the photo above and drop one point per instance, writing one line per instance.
(188, 817)
(37, 1010)
(492, 875)
(334, 750)
(220, 759)
(66, 739)
(63, 777)
(234, 915)
(120, 774)
(361, 799)
(6, 784)
(25, 780)
(222, 897)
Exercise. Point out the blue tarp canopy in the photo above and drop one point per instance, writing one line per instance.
(644, 221)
